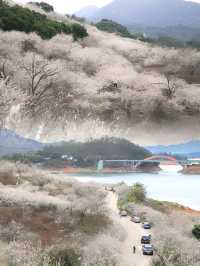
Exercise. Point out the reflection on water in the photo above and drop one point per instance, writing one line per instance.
(167, 185)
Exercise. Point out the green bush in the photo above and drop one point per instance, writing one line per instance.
(137, 194)
(196, 231)
(113, 27)
(23, 19)
(78, 31)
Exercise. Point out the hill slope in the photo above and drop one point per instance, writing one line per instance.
(105, 148)
(84, 154)
(145, 12)
(11, 143)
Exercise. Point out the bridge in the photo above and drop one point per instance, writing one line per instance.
(161, 158)
(132, 164)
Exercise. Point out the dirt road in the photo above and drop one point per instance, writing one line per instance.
(133, 237)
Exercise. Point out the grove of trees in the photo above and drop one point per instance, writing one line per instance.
(23, 19)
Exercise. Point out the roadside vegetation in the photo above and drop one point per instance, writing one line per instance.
(172, 226)
(46, 220)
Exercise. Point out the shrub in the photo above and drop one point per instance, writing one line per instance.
(113, 27)
(196, 231)
(78, 31)
(138, 193)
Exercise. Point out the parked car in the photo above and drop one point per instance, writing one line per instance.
(147, 249)
(146, 225)
(123, 213)
(136, 219)
(146, 239)
(111, 189)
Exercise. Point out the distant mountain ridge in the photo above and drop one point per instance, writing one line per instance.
(10, 143)
(154, 13)
(191, 148)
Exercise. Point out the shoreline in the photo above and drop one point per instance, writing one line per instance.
(176, 206)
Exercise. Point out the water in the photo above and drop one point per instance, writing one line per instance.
(167, 185)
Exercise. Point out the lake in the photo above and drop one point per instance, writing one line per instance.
(167, 185)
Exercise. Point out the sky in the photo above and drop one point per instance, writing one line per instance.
(70, 6)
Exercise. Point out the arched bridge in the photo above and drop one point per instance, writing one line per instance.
(161, 158)
(153, 161)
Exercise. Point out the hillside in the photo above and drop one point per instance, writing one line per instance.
(100, 85)
(23, 19)
(83, 154)
(102, 149)
(11, 143)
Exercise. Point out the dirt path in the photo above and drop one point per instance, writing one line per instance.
(133, 237)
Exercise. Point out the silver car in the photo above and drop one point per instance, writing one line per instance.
(136, 219)
(147, 249)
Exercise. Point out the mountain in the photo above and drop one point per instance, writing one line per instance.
(191, 148)
(180, 32)
(10, 143)
(87, 12)
(154, 13)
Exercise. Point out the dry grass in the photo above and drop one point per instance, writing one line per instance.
(43, 208)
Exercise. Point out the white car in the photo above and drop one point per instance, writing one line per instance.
(136, 219)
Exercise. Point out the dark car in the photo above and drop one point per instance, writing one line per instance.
(146, 239)
(147, 249)
(123, 213)
(146, 225)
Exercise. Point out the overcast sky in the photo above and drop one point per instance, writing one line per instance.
(70, 6)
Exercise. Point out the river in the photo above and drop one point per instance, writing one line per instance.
(167, 185)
